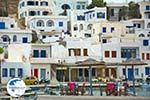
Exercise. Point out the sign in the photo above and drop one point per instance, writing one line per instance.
(16, 87)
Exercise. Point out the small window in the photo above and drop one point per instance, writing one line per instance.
(147, 70)
(143, 56)
(114, 54)
(124, 71)
(148, 56)
(112, 29)
(20, 72)
(106, 54)
(30, 3)
(78, 6)
(136, 71)
(43, 53)
(44, 3)
(12, 72)
(145, 42)
(139, 25)
(12, 25)
(35, 53)
(85, 52)
(24, 40)
(4, 72)
(104, 40)
(104, 29)
(80, 72)
(60, 24)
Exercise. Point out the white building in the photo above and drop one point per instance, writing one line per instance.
(11, 33)
(81, 22)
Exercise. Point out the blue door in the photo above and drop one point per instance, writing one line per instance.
(130, 74)
(2, 25)
(42, 73)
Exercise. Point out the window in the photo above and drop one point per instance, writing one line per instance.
(147, 7)
(145, 42)
(50, 23)
(112, 29)
(43, 53)
(45, 13)
(83, 6)
(85, 52)
(104, 29)
(106, 54)
(43, 36)
(32, 13)
(44, 3)
(4, 72)
(112, 12)
(104, 40)
(2, 25)
(100, 15)
(124, 71)
(40, 23)
(80, 72)
(14, 38)
(128, 52)
(20, 72)
(30, 3)
(35, 53)
(136, 71)
(12, 25)
(143, 56)
(12, 72)
(93, 71)
(147, 70)
(86, 72)
(78, 6)
(60, 24)
(148, 56)
(24, 40)
(36, 3)
(139, 25)
(70, 52)
(114, 54)
(77, 52)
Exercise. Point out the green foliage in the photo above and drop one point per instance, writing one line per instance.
(1, 50)
(123, 13)
(96, 3)
(134, 11)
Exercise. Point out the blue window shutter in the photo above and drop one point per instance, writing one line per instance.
(145, 42)
(104, 29)
(12, 72)
(24, 40)
(147, 70)
(2, 25)
(60, 24)
(35, 53)
(4, 72)
(147, 7)
(43, 53)
(20, 72)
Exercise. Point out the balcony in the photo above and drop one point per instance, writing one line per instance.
(43, 60)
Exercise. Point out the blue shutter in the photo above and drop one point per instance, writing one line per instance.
(4, 72)
(147, 70)
(2, 25)
(145, 42)
(20, 72)
(147, 7)
(104, 29)
(43, 53)
(12, 72)
(60, 24)
(35, 53)
(25, 40)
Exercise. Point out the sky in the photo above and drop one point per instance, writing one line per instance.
(118, 1)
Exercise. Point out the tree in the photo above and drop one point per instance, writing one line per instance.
(134, 11)
(123, 13)
(96, 3)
